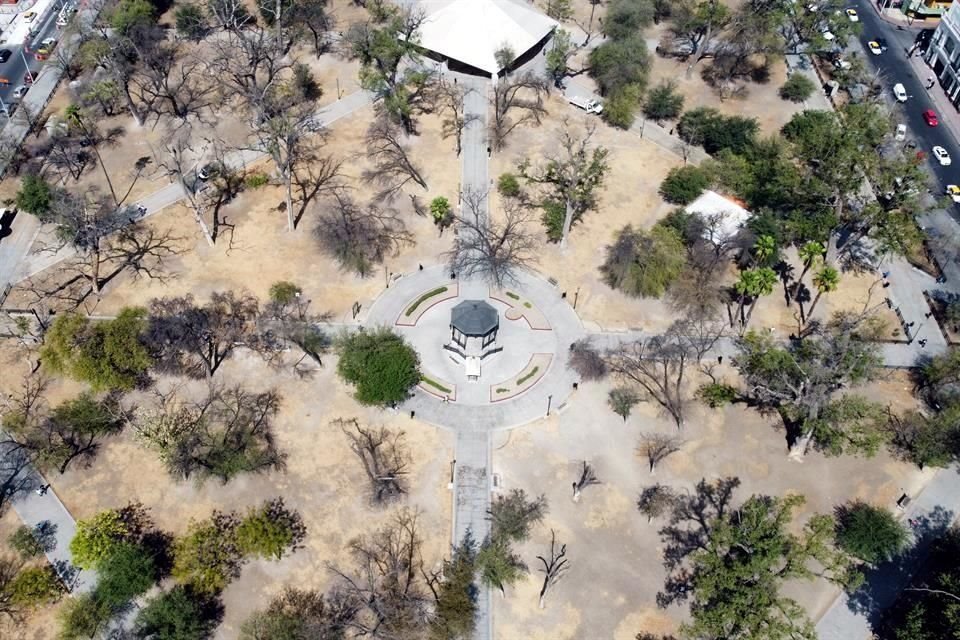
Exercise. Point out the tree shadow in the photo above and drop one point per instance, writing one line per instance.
(884, 582)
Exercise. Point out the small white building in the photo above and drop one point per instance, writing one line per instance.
(723, 217)
(467, 33)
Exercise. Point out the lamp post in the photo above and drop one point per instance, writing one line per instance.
(549, 402)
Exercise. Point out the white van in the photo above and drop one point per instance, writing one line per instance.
(899, 92)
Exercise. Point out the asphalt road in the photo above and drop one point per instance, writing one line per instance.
(14, 69)
(894, 67)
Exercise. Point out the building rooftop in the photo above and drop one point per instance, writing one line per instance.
(474, 318)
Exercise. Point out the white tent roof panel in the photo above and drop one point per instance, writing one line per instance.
(729, 216)
(471, 31)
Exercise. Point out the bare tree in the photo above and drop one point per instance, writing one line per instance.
(388, 577)
(384, 456)
(246, 60)
(494, 251)
(179, 151)
(359, 237)
(16, 474)
(188, 338)
(171, 84)
(554, 568)
(455, 118)
(658, 365)
(573, 176)
(656, 500)
(517, 100)
(655, 447)
(587, 478)
(392, 166)
(586, 360)
(318, 175)
(286, 319)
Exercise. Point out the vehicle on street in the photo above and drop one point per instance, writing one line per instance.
(208, 171)
(875, 47)
(901, 133)
(882, 42)
(29, 77)
(930, 117)
(587, 104)
(4, 82)
(954, 192)
(8, 109)
(942, 156)
(5, 55)
(841, 64)
(20, 91)
(899, 92)
(852, 15)
(49, 43)
(29, 16)
(7, 217)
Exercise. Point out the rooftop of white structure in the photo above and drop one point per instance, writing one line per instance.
(474, 318)
(471, 31)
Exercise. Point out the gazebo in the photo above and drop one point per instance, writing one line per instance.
(474, 319)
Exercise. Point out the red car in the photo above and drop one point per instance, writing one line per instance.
(930, 117)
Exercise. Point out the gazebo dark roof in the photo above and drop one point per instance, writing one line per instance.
(474, 318)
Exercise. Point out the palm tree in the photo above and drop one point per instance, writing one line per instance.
(764, 249)
(809, 253)
(764, 281)
(825, 280)
(75, 118)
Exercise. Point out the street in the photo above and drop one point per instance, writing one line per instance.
(893, 67)
(14, 69)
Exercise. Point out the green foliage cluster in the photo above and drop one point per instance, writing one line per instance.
(26, 542)
(106, 355)
(717, 394)
(178, 614)
(527, 375)
(684, 184)
(456, 596)
(298, 614)
(622, 400)
(35, 586)
(716, 132)
(441, 211)
(663, 102)
(34, 196)
(644, 263)
(380, 364)
(129, 15)
(429, 294)
(256, 180)
(869, 533)
(797, 88)
(508, 185)
(190, 21)
(270, 531)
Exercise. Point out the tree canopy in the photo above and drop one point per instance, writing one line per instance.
(380, 364)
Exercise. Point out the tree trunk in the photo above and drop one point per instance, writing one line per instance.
(576, 498)
(197, 214)
(746, 320)
(290, 220)
(813, 305)
(132, 108)
(799, 448)
(567, 223)
(95, 269)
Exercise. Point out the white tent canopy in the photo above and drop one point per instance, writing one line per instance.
(471, 31)
(724, 217)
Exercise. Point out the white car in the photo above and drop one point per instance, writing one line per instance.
(942, 156)
(829, 37)
(852, 14)
(901, 133)
(842, 64)
(899, 92)
(29, 16)
(20, 91)
(875, 47)
(954, 192)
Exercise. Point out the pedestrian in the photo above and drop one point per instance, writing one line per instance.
(421, 267)
(923, 342)
(719, 359)
(671, 131)
(885, 274)
(928, 314)
(886, 284)
(446, 399)
(910, 324)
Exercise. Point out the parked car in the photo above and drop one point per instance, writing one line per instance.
(20, 91)
(942, 156)
(899, 92)
(852, 15)
(954, 192)
(930, 117)
(29, 16)
(5, 55)
(901, 133)
(875, 47)
(208, 171)
(841, 64)
(8, 109)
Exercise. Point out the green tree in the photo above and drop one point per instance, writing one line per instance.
(684, 184)
(99, 537)
(508, 186)
(35, 586)
(748, 554)
(270, 531)
(127, 572)
(622, 401)
(663, 102)
(715, 132)
(869, 533)
(825, 280)
(82, 617)
(456, 596)
(131, 14)
(558, 55)
(380, 364)
(809, 253)
(441, 211)
(626, 18)
(498, 565)
(512, 515)
(559, 10)
(927, 440)
(620, 105)
(34, 196)
(208, 557)
(298, 614)
(26, 541)
(178, 614)
(644, 264)
(191, 22)
(106, 355)
(752, 285)
(797, 88)
(616, 64)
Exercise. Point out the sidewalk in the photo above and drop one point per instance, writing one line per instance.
(948, 113)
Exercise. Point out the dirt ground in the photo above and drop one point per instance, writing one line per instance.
(323, 481)
(615, 554)
(42, 624)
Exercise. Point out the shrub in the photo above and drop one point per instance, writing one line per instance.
(34, 196)
(508, 185)
(717, 394)
(797, 88)
(619, 109)
(191, 22)
(380, 364)
(421, 299)
(82, 617)
(586, 360)
(178, 614)
(663, 102)
(129, 571)
(34, 586)
(208, 556)
(256, 180)
(708, 127)
(270, 531)
(100, 536)
(622, 400)
(870, 533)
(644, 264)
(440, 210)
(26, 542)
(527, 376)
(433, 383)
(554, 213)
(683, 185)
